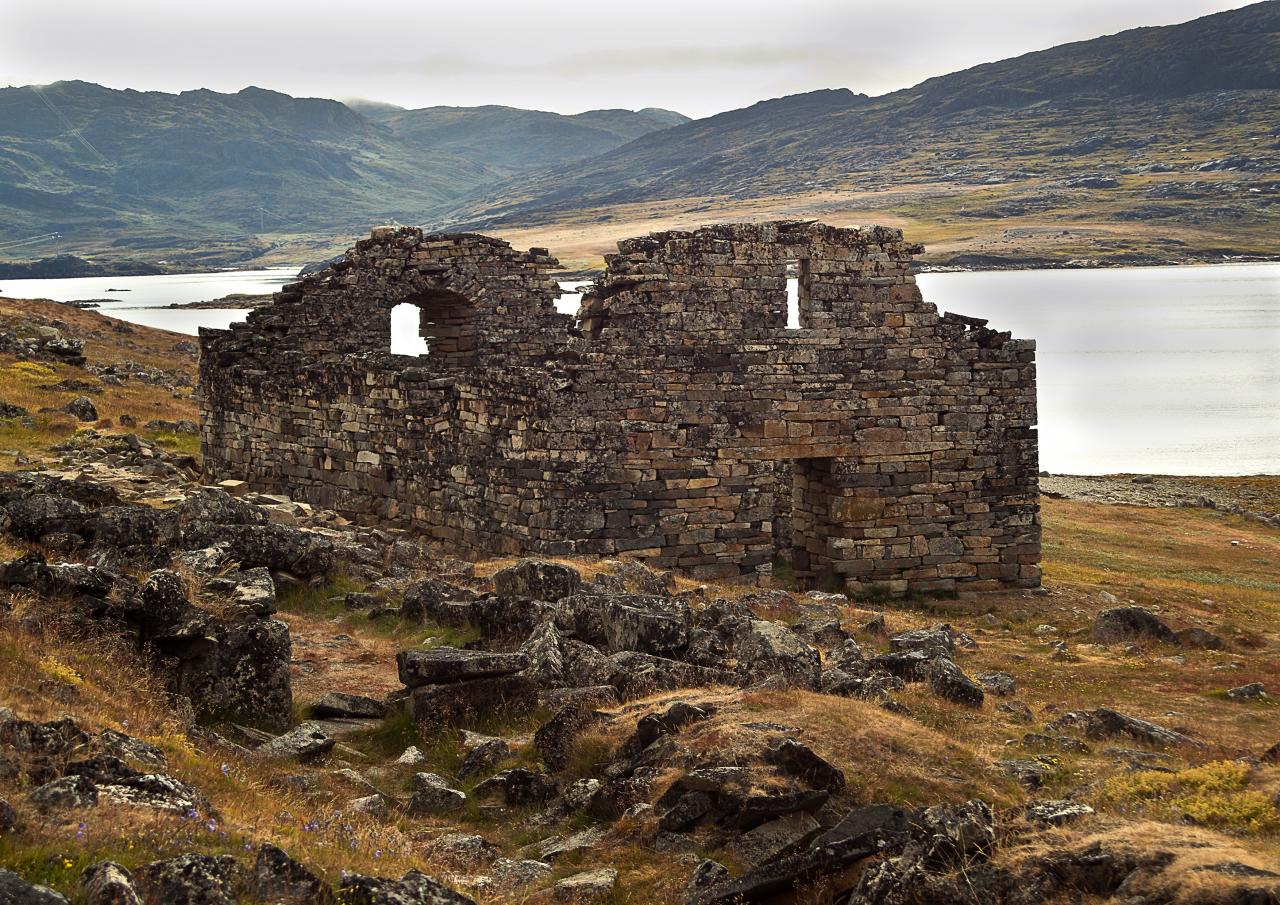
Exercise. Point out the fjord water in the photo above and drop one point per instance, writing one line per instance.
(143, 299)
(1167, 370)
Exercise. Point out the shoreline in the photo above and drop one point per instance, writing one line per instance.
(1255, 497)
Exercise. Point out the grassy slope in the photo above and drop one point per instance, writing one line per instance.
(1183, 562)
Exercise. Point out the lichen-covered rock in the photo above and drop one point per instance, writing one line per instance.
(443, 665)
(519, 786)
(67, 793)
(764, 649)
(949, 681)
(303, 743)
(277, 878)
(107, 883)
(938, 641)
(431, 794)
(1129, 623)
(191, 879)
(799, 760)
(436, 706)
(538, 580)
(588, 886)
(15, 890)
(337, 704)
(82, 409)
(626, 622)
(414, 888)
(1107, 723)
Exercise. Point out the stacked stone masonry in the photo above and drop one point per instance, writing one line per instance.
(676, 419)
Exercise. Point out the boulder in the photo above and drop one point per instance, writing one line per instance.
(687, 810)
(8, 817)
(236, 666)
(339, 705)
(797, 759)
(67, 793)
(637, 674)
(536, 579)
(107, 883)
(487, 754)
(1057, 813)
(303, 743)
(427, 601)
(16, 891)
(414, 888)
(554, 739)
(435, 706)
(191, 880)
(705, 875)
(34, 516)
(750, 811)
(519, 786)
(626, 622)
(864, 832)
(764, 649)
(82, 409)
(1129, 623)
(998, 683)
(908, 665)
(1198, 637)
(512, 875)
(588, 886)
(277, 878)
(949, 681)
(431, 794)
(252, 589)
(771, 840)
(1107, 723)
(555, 848)
(1254, 691)
(441, 665)
(938, 641)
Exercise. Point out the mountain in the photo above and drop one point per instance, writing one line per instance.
(1209, 87)
(157, 172)
(510, 140)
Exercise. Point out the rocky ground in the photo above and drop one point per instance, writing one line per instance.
(209, 695)
(1253, 497)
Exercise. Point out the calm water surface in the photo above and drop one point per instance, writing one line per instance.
(1172, 370)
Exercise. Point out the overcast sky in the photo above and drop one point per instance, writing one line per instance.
(695, 56)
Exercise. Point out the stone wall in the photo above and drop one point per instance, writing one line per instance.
(677, 419)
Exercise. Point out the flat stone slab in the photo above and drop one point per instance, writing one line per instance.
(443, 665)
(348, 706)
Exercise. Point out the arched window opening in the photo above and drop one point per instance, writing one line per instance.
(438, 324)
(406, 330)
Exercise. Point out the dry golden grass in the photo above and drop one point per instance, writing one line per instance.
(24, 382)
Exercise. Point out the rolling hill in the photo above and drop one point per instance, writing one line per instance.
(510, 140)
(156, 172)
(1053, 113)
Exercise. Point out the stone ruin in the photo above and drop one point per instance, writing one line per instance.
(677, 419)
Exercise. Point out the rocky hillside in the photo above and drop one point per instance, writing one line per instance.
(156, 172)
(209, 695)
(1055, 113)
(1163, 140)
(509, 140)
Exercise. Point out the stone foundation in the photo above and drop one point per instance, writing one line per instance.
(677, 419)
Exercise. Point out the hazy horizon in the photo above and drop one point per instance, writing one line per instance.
(720, 57)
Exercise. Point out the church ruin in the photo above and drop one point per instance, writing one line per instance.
(677, 419)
